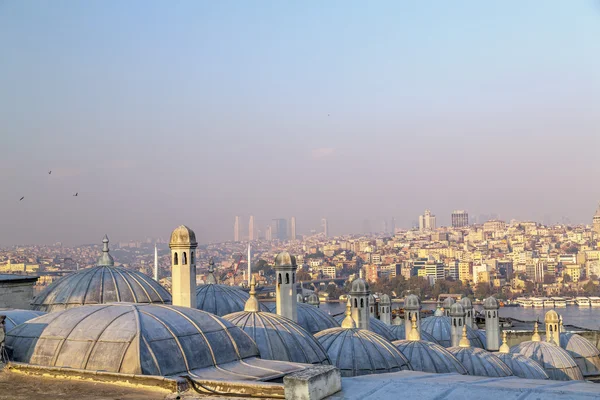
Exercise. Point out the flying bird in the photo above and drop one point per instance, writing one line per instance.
(49, 172)
(75, 195)
(21, 198)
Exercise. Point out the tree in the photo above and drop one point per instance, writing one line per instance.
(483, 290)
(303, 276)
(590, 289)
(549, 279)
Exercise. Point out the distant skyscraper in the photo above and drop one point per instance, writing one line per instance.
(269, 234)
(325, 227)
(460, 219)
(596, 221)
(393, 226)
(251, 228)
(427, 221)
(279, 229)
(293, 228)
(236, 229)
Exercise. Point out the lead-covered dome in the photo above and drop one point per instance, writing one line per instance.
(440, 329)
(412, 302)
(361, 352)
(222, 299)
(182, 236)
(399, 333)
(285, 259)
(585, 354)
(480, 362)
(522, 366)
(375, 325)
(557, 363)
(311, 318)
(158, 340)
(16, 316)
(359, 285)
(429, 357)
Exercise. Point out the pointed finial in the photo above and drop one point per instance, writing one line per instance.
(414, 331)
(504, 348)
(464, 341)
(562, 328)
(210, 279)
(348, 322)
(536, 336)
(252, 304)
(105, 258)
(438, 310)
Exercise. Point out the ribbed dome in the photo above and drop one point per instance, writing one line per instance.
(399, 333)
(182, 236)
(16, 317)
(285, 259)
(466, 303)
(222, 299)
(359, 285)
(457, 310)
(313, 299)
(361, 352)
(429, 357)
(158, 340)
(551, 317)
(480, 362)
(522, 366)
(375, 325)
(279, 338)
(440, 329)
(557, 363)
(100, 285)
(311, 318)
(411, 302)
(448, 301)
(385, 300)
(491, 303)
(585, 354)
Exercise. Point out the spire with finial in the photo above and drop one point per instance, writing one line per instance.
(252, 303)
(414, 331)
(210, 279)
(464, 341)
(105, 259)
(536, 336)
(504, 348)
(348, 322)
(438, 310)
(561, 327)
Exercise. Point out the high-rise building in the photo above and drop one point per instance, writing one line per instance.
(393, 226)
(279, 229)
(325, 227)
(268, 234)
(460, 219)
(251, 228)
(596, 222)
(236, 229)
(427, 221)
(293, 228)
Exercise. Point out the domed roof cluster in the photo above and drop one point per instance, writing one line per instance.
(101, 284)
(520, 365)
(376, 326)
(399, 333)
(478, 361)
(585, 354)
(311, 318)
(182, 236)
(16, 317)
(130, 338)
(440, 329)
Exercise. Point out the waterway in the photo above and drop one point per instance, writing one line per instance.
(584, 317)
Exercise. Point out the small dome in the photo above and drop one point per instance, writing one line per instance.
(100, 285)
(16, 317)
(457, 310)
(125, 338)
(440, 329)
(359, 286)
(299, 298)
(222, 299)
(448, 301)
(551, 317)
(399, 333)
(480, 362)
(429, 357)
(313, 299)
(585, 354)
(412, 302)
(361, 352)
(279, 338)
(285, 259)
(466, 303)
(375, 325)
(522, 366)
(557, 363)
(183, 236)
(311, 318)
(491, 303)
(385, 300)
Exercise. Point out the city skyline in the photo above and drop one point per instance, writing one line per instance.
(152, 121)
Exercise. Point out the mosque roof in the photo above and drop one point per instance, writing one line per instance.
(557, 362)
(360, 352)
(585, 354)
(439, 328)
(145, 339)
(429, 357)
(311, 318)
(412, 302)
(399, 333)
(16, 317)
(359, 285)
(183, 236)
(480, 362)
(222, 299)
(522, 366)
(375, 325)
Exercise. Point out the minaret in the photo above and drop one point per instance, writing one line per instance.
(249, 264)
(492, 323)
(183, 266)
(412, 307)
(468, 307)
(285, 290)
(552, 322)
(457, 323)
(385, 309)
(359, 293)
(155, 263)
(447, 304)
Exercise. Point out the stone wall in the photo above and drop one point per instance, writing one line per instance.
(16, 294)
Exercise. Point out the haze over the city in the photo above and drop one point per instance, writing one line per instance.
(166, 113)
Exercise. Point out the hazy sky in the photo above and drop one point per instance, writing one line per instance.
(162, 113)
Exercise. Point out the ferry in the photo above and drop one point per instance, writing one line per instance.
(595, 301)
(524, 302)
(538, 302)
(559, 302)
(582, 301)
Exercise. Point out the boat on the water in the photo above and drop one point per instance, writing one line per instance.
(595, 301)
(582, 301)
(559, 302)
(524, 301)
(538, 302)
